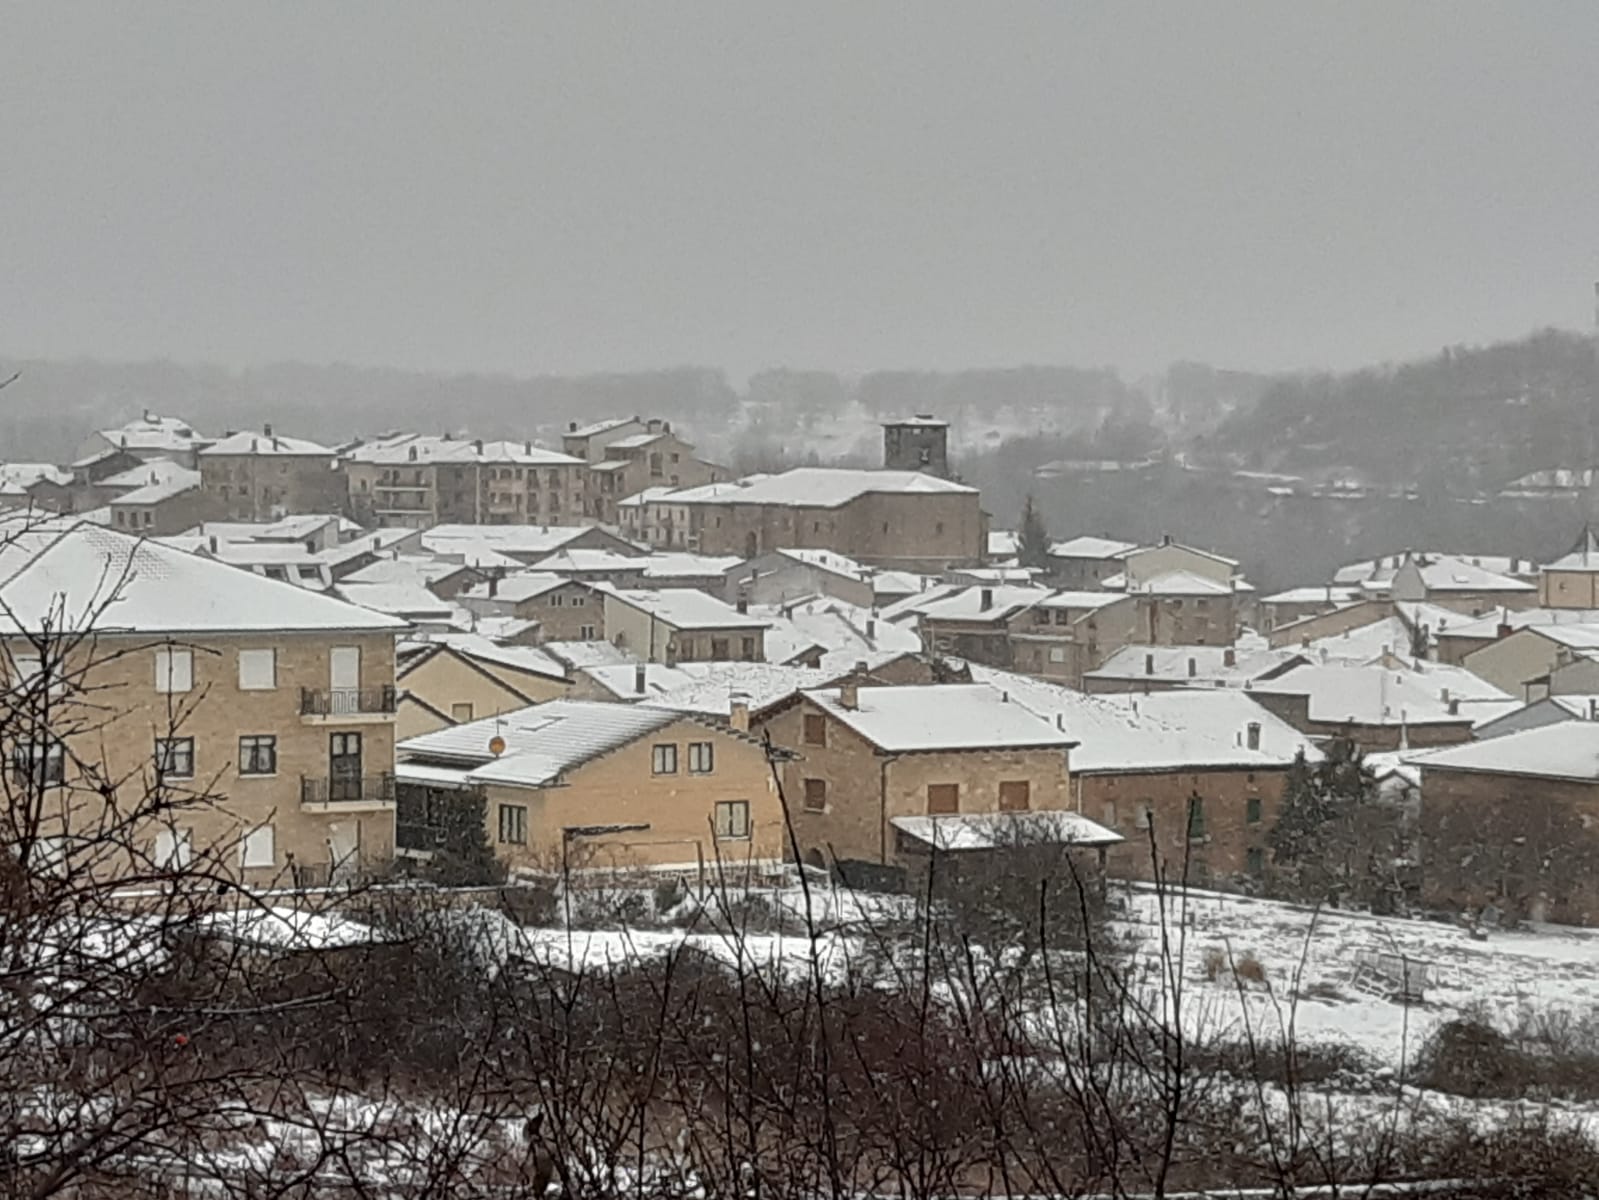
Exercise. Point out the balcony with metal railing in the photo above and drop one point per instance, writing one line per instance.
(327, 793)
(356, 705)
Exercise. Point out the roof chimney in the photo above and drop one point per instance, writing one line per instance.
(213, 543)
(1504, 629)
(1229, 657)
(640, 673)
(871, 629)
(986, 599)
(1149, 664)
(1060, 722)
(1252, 735)
(1593, 709)
(527, 447)
(477, 446)
(1454, 708)
(571, 427)
(849, 694)
(1193, 667)
(267, 429)
(742, 604)
(738, 711)
(1443, 694)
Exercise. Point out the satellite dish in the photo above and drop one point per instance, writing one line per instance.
(496, 745)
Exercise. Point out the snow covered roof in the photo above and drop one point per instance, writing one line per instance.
(1161, 731)
(919, 421)
(508, 539)
(175, 484)
(821, 487)
(990, 831)
(846, 632)
(622, 680)
(501, 629)
(970, 602)
(155, 432)
(897, 583)
(1210, 666)
(514, 589)
(604, 426)
(422, 448)
(639, 499)
(1182, 583)
(669, 565)
(532, 660)
(20, 476)
(827, 560)
(1315, 595)
(635, 441)
(709, 688)
(953, 716)
(577, 655)
(74, 573)
(415, 569)
(1363, 643)
(542, 742)
(1091, 547)
(1378, 695)
(1004, 543)
(409, 600)
(1078, 600)
(1446, 574)
(1584, 556)
(684, 608)
(265, 445)
(1487, 628)
(1567, 750)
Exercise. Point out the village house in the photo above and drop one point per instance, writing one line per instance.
(574, 785)
(264, 477)
(1535, 714)
(870, 759)
(525, 544)
(1520, 662)
(676, 625)
(1513, 823)
(445, 684)
(832, 634)
(274, 704)
(1284, 608)
(1374, 577)
(171, 502)
(1572, 580)
(1382, 707)
(1192, 780)
(567, 610)
(904, 519)
(1144, 668)
(626, 456)
(780, 576)
(1085, 563)
(147, 437)
(1461, 584)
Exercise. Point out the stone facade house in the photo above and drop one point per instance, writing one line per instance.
(263, 477)
(674, 625)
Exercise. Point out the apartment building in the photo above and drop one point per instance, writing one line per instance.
(871, 763)
(264, 477)
(262, 714)
(576, 785)
(1087, 562)
(1572, 580)
(417, 481)
(905, 519)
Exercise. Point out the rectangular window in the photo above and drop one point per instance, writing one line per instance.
(258, 849)
(1256, 861)
(578, 601)
(258, 755)
(815, 729)
(1057, 654)
(172, 849)
(1107, 814)
(174, 757)
(174, 670)
(943, 798)
(460, 713)
(42, 763)
(748, 646)
(732, 819)
(719, 649)
(513, 824)
(1015, 795)
(1196, 817)
(585, 633)
(663, 759)
(1252, 810)
(701, 758)
(816, 794)
(258, 670)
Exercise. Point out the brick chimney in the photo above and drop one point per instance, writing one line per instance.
(1193, 667)
(738, 711)
(267, 429)
(1229, 657)
(849, 694)
(742, 604)
(985, 599)
(1149, 664)
(641, 675)
(1252, 735)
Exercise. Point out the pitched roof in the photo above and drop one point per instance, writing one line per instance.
(1584, 556)
(409, 600)
(1448, 574)
(1091, 547)
(19, 476)
(1378, 695)
(1182, 583)
(990, 831)
(577, 655)
(622, 680)
(266, 445)
(827, 560)
(174, 484)
(684, 608)
(969, 602)
(76, 574)
(514, 539)
(1487, 628)
(514, 589)
(709, 688)
(845, 632)
(1209, 664)
(422, 448)
(952, 716)
(1567, 750)
(604, 426)
(1328, 594)
(819, 487)
(1161, 731)
(155, 432)
(531, 660)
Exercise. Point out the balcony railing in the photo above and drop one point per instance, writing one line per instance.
(347, 789)
(346, 702)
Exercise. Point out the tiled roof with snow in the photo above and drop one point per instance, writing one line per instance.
(577, 655)
(622, 680)
(532, 660)
(822, 487)
(989, 831)
(1160, 731)
(514, 589)
(604, 426)
(414, 569)
(1314, 595)
(1079, 600)
(1378, 695)
(79, 574)
(155, 432)
(266, 445)
(827, 560)
(954, 716)
(514, 539)
(1567, 750)
(1182, 583)
(898, 583)
(1461, 575)
(684, 608)
(1091, 547)
(635, 441)
(846, 632)
(708, 688)
(409, 600)
(1487, 628)
(1004, 543)
(542, 742)
(970, 602)
(1209, 664)
(174, 484)
(20, 476)
(421, 448)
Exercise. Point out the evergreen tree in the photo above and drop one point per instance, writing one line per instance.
(464, 856)
(1034, 538)
(1322, 844)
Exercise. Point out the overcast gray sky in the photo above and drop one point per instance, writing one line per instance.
(528, 187)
